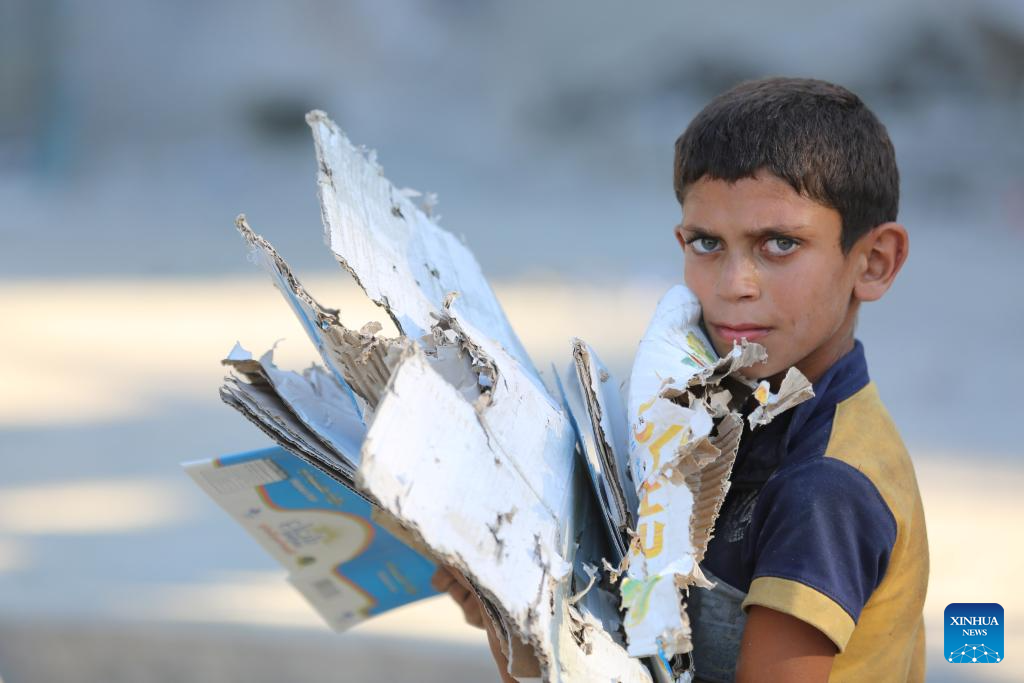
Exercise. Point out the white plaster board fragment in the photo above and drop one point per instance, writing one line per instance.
(522, 419)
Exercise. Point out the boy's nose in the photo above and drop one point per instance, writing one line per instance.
(739, 279)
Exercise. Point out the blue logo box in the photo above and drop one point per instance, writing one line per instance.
(973, 633)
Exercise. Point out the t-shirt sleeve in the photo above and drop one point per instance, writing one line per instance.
(820, 539)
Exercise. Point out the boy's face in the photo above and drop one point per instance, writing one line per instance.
(765, 263)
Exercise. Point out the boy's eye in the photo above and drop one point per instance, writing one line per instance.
(779, 246)
(703, 245)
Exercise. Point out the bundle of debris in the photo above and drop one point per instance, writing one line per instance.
(579, 515)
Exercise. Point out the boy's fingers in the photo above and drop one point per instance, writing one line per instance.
(471, 609)
(446, 577)
(451, 581)
(462, 580)
(442, 580)
(459, 593)
(474, 617)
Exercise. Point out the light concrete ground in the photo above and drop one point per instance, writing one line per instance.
(55, 652)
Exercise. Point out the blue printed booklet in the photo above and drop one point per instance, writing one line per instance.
(347, 566)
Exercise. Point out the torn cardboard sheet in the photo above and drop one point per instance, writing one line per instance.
(505, 535)
(466, 448)
(360, 360)
(793, 390)
(684, 434)
(399, 256)
(315, 397)
(593, 401)
(254, 397)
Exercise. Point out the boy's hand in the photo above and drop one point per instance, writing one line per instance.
(450, 581)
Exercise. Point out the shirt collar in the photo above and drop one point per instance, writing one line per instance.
(846, 377)
(762, 450)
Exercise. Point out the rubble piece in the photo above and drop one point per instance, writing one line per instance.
(685, 432)
(399, 256)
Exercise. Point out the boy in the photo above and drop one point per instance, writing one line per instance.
(789, 191)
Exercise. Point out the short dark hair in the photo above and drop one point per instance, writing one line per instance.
(817, 136)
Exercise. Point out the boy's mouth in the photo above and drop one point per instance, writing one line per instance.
(737, 331)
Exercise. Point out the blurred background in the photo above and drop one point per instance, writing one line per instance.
(131, 134)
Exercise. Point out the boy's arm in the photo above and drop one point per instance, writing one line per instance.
(779, 648)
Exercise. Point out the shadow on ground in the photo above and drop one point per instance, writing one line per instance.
(48, 652)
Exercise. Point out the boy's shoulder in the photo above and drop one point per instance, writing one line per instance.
(847, 438)
(838, 538)
(865, 437)
(834, 516)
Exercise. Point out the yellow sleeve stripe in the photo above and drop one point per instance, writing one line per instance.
(804, 603)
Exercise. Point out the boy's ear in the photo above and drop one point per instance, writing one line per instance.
(882, 252)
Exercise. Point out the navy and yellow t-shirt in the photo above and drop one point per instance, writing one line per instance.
(822, 521)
